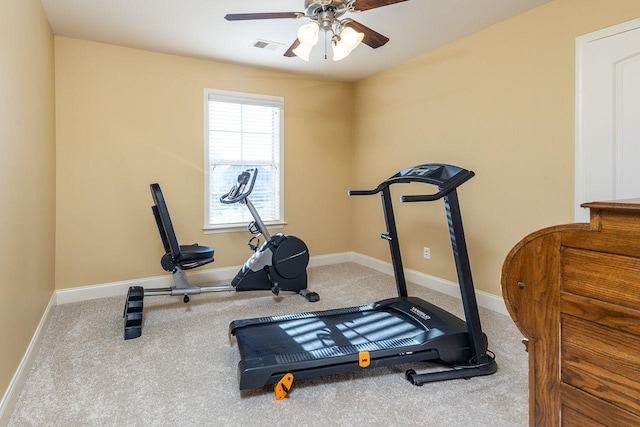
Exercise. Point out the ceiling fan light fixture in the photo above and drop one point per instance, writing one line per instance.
(326, 16)
(348, 40)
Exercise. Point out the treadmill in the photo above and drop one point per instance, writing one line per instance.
(404, 329)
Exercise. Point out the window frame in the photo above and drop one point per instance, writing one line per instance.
(248, 99)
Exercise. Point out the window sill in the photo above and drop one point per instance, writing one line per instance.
(233, 228)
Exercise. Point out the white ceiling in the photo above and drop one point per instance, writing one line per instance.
(197, 28)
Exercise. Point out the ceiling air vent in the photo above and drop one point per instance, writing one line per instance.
(265, 44)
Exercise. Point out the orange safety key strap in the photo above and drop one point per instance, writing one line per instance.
(364, 359)
(283, 387)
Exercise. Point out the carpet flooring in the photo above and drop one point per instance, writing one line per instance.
(182, 370)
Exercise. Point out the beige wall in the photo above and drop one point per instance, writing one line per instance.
(127, 118)
(27, 177)
(499, 102)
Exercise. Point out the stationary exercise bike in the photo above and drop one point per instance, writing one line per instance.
(279, 264)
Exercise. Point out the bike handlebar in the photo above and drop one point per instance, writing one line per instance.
(242, 188)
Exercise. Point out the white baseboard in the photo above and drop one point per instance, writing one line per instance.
(484, 299)
(15, 386)
(320, 260)
(84, 293)
(114, 289)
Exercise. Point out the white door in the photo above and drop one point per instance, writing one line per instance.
(608, 115)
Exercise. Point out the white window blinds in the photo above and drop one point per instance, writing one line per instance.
(242, 131)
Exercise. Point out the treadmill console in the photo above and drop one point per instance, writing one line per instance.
(422, 170)
(438, 174)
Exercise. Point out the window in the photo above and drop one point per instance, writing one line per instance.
(242, 131)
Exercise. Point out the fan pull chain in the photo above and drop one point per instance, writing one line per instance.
(325, 44)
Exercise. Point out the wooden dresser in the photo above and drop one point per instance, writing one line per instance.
(574, 292)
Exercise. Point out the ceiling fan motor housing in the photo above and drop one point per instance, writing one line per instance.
(337, 8)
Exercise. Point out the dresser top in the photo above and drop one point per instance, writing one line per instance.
(623, 204)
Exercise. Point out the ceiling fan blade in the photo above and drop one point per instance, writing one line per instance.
(249, 16)
(289, 53)
(371, 37)
(361, 5)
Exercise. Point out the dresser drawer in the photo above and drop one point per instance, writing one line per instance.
(601, 361)
(602, 276)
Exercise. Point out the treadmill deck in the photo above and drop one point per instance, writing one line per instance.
(392, 331)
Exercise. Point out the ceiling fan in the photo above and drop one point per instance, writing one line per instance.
(325, 15)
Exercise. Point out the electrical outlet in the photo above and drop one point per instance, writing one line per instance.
(426, 253)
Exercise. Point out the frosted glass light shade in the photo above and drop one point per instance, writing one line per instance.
(303, 51)
(308, 37)
(340, 51)
(308, 34)
(349, 40)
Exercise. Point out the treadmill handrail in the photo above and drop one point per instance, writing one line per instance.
(423, 174)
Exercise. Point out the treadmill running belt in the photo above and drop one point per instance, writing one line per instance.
(324, 340)
(316, 337)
